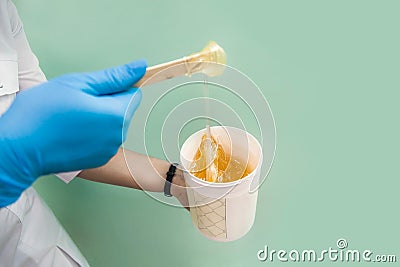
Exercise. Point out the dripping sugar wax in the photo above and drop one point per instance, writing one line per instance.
(212, 164)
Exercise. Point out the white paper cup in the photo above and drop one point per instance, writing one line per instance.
(223, 211)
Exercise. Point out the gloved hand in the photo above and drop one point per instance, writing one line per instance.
(72, 122)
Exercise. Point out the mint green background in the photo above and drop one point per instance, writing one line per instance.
(330, 71)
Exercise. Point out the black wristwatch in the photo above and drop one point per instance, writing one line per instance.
(168, 181)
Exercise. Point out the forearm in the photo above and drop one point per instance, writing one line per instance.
(134, 170)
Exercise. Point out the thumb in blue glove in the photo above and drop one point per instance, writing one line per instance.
(72, 122)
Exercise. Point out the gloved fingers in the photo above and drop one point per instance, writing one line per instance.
(108, 81)
(117, 79)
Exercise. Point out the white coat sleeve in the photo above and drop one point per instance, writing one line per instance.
(29, 72)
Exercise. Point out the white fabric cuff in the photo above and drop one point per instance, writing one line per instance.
(67, 176)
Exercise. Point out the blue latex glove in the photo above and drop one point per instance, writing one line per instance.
(72, 122)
